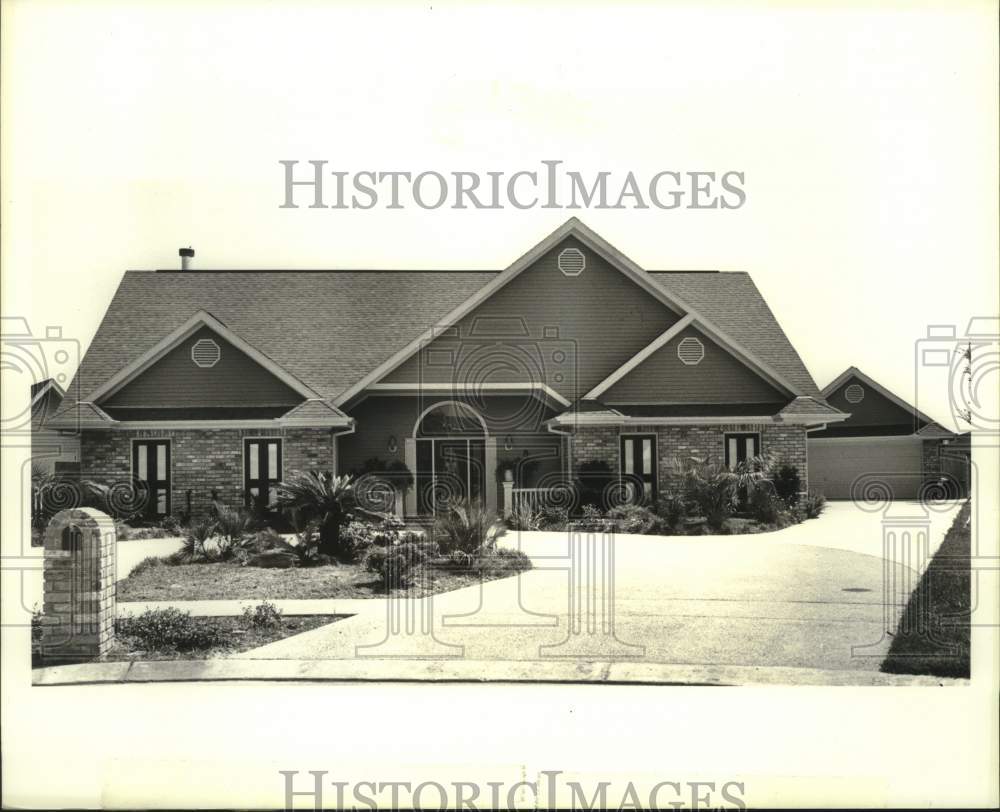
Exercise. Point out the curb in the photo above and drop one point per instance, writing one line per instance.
(440, 670)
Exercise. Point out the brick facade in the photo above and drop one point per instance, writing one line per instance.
(787, 443)
(930, 462)
(202, 460)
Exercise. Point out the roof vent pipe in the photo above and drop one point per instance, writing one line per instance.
(186, 254)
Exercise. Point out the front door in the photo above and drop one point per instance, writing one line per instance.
(638, 466)
(151, 472)
(449, 471)
(261, 471)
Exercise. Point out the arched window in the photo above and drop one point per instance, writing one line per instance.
(450, 419)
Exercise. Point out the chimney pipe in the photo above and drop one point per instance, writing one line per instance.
(186, 254)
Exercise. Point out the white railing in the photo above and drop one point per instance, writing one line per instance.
(518, 498)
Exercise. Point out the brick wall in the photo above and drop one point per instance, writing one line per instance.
(787, 443)
(202, 459)
(930, 457)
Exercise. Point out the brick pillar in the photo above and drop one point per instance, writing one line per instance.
(79, 587)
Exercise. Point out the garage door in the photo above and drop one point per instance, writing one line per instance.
(835, 463)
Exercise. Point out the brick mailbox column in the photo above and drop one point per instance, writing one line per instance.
(79, 591)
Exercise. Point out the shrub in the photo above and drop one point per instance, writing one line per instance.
(765, 505)
(37, 621)
(193, 547)
(396, 472)
(524, 517)
(787, 484)
(396, 564)
(594, 477)
(711, 488)
(360, 534)
(812, 504)
(501, 560)
(326, 502)
(672, 509)
(262, 616)
(591, 518)
(468, 527)
(169, 629)
(232, 524)
(553, 518)
(262, 541)
(634, 519)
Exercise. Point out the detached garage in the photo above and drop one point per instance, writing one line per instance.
(882, 449)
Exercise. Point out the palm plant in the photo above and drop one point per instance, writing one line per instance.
(467, 527)
(711, 486)
(324, 501)
(193, 548)
(753, 474)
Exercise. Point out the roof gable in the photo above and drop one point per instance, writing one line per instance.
(871, 405)
(563, 330)
(170, 351)
(572, 230)
(713, 374)
(205, 370)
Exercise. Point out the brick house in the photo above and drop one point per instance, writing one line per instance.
(214, 384)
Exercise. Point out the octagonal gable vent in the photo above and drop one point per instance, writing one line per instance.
(572, 261)
(854, 393)
(205, 353)
(690, 351)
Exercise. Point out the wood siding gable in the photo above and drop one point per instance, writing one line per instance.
(175, 381)
(568, 332)
(874, 410)
(718, 378)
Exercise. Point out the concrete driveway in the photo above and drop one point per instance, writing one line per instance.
(820, 595)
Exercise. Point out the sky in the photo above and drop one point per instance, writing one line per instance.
(867, 138)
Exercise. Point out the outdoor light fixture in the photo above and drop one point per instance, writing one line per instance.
(393, 444)
(508, 444)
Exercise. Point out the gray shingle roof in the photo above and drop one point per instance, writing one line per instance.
(331, 328)
(731, 300)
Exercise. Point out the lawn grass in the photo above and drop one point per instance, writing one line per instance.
(933, 634)
(228, 580)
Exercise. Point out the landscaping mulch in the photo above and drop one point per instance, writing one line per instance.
(229, 580)
(237, 637)
(933, 635)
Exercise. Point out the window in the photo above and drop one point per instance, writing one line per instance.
(741, 447)
(261, 470)
(151, 472)
(638, 467)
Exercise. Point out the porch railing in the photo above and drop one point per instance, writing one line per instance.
(519, 498)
